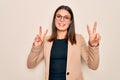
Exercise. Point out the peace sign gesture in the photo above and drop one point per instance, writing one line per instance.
(40, 37)
(94, 37)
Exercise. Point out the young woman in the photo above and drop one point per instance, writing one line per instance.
(64, 49)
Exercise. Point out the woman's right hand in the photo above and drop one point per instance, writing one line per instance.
(39, 38)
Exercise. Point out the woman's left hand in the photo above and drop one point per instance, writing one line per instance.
(94, 38)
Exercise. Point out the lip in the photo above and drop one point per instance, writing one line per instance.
(61, 24)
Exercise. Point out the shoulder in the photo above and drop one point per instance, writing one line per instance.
(79, 36)
(47, 38)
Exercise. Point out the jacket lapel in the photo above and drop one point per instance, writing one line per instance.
(47, 52)
(69, 55)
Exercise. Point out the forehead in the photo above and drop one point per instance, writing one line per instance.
(63, 12)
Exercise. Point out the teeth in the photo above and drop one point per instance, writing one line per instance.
(62, 24)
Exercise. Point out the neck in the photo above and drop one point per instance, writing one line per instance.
(61, 34)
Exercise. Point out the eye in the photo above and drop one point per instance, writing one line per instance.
(58, 16)
(66, 17)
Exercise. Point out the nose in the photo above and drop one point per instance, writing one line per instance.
(62, 19)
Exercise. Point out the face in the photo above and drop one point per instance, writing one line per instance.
(62, 20)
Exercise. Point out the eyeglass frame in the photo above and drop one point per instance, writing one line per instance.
(65, 18)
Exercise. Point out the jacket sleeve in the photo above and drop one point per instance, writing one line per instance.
(90, 54)
(35, 56)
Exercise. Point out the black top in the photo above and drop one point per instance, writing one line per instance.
(58, 60)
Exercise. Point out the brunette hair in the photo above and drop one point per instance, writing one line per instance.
(71, 30)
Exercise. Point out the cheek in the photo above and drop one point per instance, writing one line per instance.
(68, 24)
(56, 23)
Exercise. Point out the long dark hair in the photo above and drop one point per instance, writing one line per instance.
(71, 30)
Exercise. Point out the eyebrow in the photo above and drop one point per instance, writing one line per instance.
(64, 15)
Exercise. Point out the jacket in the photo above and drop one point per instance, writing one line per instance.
(76, 53)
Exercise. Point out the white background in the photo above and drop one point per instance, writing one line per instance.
(20, 21)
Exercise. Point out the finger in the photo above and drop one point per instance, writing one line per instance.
(88, 29)
(98, 37)
(94, 28)
(40, 30)
(45, 33)
(37, 38)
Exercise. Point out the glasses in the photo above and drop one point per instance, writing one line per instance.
(65, 18)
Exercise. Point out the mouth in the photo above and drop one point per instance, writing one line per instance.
(61, 24)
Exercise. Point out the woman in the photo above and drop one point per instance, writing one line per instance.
(64, 49)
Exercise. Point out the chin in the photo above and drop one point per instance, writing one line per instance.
(61, 29)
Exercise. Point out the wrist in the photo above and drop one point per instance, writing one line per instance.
(93, 44)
